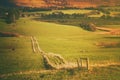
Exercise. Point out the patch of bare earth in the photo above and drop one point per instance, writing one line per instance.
(9, 34)
(115, 32)
(109, 31)
(108, 44)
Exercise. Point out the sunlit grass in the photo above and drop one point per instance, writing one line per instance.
(69, 41)
(70, 11)
(16, 55)
(96, 15)
(75, 11)
(100, 73)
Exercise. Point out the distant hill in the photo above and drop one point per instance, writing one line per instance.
(59, 3)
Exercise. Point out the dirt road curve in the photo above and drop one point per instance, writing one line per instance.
(109, 31)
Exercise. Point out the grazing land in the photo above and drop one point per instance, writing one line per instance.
(62, 36)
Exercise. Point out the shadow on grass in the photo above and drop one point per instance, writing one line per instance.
(114, 37)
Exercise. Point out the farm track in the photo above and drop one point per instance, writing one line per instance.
(109, 31)
(35, 46)
(104, 29)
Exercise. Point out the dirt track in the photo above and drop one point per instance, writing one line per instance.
(109, 31)
(104, 29)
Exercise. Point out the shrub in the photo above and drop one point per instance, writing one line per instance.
(88, 26)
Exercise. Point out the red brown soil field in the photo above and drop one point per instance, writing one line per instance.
(72, 3)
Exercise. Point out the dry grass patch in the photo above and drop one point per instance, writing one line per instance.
(9, 34)
(108, 44)
(115, 32)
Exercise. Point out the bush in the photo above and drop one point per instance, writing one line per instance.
(88, 26)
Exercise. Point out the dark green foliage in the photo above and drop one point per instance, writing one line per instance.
(61, 15)
(54, 15)
(88, 26)
(17, 14)
(106, 17)
(8, 34)
(103, 11)
(2, 12)
(12, 15)
(28, 9)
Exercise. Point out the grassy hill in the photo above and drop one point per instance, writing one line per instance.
(16, 54)
(61, 39)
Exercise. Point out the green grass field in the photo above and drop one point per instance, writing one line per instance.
(69, 41)
(82, 11)
(70, 11)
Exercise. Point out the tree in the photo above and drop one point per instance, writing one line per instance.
(88, 26)
(17, 14)
(13, 15)
(10, 16)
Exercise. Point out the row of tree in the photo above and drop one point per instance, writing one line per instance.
(60, 15)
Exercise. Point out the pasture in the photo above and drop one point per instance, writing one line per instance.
(70, 41)
(79, 11)
(70, 11)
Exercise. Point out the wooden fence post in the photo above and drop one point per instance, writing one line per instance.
(87, 63)
(81, 62)
(78, 64)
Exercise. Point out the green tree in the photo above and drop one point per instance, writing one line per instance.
(88, 26)
(12, 15)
